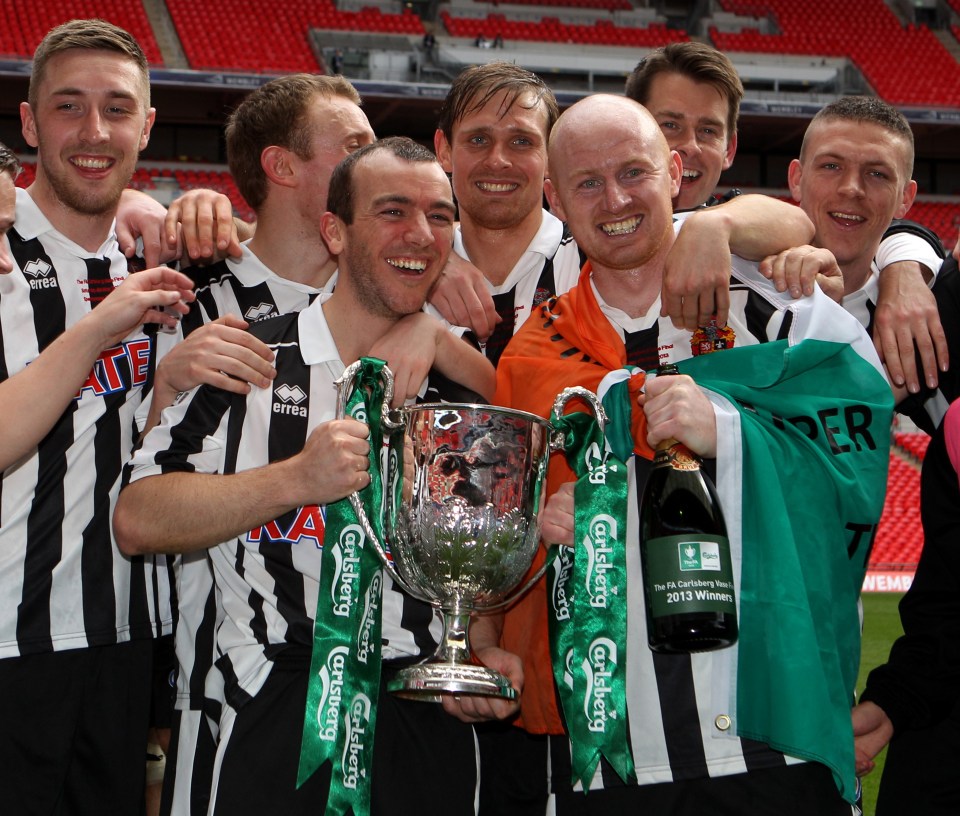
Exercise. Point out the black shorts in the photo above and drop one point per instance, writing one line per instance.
(74, 730)
(514, 780)
(425, 761)
(164, 694)
(792, 790)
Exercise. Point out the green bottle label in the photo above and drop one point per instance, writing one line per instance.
(689, 573)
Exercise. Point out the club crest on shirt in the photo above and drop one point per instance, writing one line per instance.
(710, 338)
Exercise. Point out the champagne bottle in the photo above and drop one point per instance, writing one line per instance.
(688, 576)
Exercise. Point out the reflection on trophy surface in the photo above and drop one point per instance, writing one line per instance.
(466, 532)
(462, 495)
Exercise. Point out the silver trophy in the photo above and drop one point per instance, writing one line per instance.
(463, 490)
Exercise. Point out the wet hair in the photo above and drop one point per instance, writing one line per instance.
(478, 84)
(340, 198)
(276, 114)
(696, 61)
(93, 35)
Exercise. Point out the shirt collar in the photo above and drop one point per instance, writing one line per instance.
(31, 223)
(251, 271)
(316, 341)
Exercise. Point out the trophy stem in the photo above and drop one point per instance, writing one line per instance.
(451, 669)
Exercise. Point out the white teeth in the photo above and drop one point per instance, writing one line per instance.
(847, 216)
(92, 164)
(408, 263)
(624, 227)
(691, 174)
(490, 187)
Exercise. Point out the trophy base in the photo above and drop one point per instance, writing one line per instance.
(427, 681)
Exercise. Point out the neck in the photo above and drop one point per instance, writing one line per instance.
(87, 231)
(291, 249)
(636, 289)
(632, 291)
(344, 314)
(855, 276)
(495, 252)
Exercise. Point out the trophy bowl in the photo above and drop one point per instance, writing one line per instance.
(463, 490)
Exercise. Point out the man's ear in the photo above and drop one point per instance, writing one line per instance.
(794, 174)
(906, 202)
(731, 151)
(554, 200)
(147, 127)
(675, 169)
(442, 148)
(28, 125)
(332, 232)
(277, 166)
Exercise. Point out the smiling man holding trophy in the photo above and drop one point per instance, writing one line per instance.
(262, 479)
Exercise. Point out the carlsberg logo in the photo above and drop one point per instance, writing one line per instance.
(371, 609)
(331, 690)
(563, 567)
(596, 461)
(699, 555)
(599, 666)
(346, 556)
(601, 536)
(352, 761)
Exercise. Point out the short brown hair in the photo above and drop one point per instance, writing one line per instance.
(696, 61)
(275, 114)
(478, 84)
(866, 109)
(9, 163)
(94, 35)
(340, 199)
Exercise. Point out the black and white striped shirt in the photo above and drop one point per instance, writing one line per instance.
(63, 582)
(247, 288)
(549, 266)
(268, 578)
(679, 720)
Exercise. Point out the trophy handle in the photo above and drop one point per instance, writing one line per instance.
(557, 443)
(596, 407)
(391, 421)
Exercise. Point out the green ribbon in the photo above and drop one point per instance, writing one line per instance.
(340, 714)
(588, 624)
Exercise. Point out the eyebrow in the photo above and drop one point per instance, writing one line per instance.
(392, 198)
(111, 92)
(832, 155)
(700, 120)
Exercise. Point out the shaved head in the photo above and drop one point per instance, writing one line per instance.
(606, 114)
(612, 178)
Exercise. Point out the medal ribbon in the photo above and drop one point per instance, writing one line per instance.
(341, 707)
(588, 624)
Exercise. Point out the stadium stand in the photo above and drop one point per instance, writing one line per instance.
(900, 536)
(270, 36)
(21, 30)
(553, 30)
(865, 30)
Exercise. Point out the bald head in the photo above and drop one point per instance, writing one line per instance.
(612, 179)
